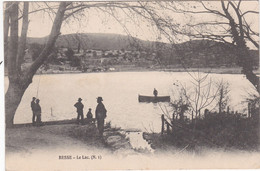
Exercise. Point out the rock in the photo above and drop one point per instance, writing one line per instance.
(122, 132)
(113, 139)
(108, 133)
(121, 144)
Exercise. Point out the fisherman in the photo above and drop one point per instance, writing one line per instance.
(33, 109)
(38, 112)
(89, 114)
(155, 92)
(101, 114)
(79, 107)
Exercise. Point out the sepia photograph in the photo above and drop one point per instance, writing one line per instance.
(131, 85)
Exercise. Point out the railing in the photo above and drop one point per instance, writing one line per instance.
(169, 126)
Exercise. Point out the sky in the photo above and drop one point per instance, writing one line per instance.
(97, 21)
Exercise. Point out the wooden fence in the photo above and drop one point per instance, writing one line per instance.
(169, 126)
(252, 113)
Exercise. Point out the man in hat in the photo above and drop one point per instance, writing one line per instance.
(79, 107)
(101, 114)
(33, 109)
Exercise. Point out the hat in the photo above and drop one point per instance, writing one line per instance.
(79, 99)
(34, 98)
(99, 99)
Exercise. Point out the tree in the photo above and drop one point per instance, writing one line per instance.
(226, 21)
(70, 54)
(228, 24)
(222, 96)
(20, 79)
(200, 95)
(240, 32)
(180, 106)
(35, 50)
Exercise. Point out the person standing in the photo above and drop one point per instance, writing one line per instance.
(155, 92)
(79, 107)
(38, 112)
(33, 109)
(101, 114)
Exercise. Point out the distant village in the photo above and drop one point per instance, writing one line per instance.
(92, 60)
(202, 54)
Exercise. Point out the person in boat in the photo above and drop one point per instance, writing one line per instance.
(101, 114)
(79, 107)
(89, 114)
(38, 112)
(33, 109)
(155, 92)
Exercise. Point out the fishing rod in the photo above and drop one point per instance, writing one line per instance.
(38, 86)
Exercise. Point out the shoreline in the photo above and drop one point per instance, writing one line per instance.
(45, 145)
(127, 69)
(26, 138)
(121, 68)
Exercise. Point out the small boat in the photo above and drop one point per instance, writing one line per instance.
(153, 99)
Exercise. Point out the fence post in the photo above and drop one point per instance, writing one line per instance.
(162, 124)
(192, 116)
(249, 110)
(168, 129)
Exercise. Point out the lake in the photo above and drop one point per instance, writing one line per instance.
(59, 92)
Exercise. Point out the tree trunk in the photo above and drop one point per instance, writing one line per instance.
(220, 100)
(244, 58)
(14, 93)
(22, 41)
(13, 43)
(13, 98)
(6, 31)
(253, 78)
(55, 32)
(18, 82)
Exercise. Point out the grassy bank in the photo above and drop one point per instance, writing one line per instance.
(39, 148)
(219, 131)
(26, 139)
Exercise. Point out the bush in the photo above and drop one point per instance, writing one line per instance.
(217, 130)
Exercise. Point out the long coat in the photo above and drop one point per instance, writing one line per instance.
(37, 109)
(101, 111)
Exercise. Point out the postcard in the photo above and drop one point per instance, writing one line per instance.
(130, 85)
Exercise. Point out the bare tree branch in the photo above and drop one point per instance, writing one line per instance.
(253, 12)
(13, 43)
(55, 31)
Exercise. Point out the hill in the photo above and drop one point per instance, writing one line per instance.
(102, 41)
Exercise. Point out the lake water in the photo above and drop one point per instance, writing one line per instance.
(58, 94)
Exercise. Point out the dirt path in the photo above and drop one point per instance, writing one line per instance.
(28, 139)
(44, 147)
